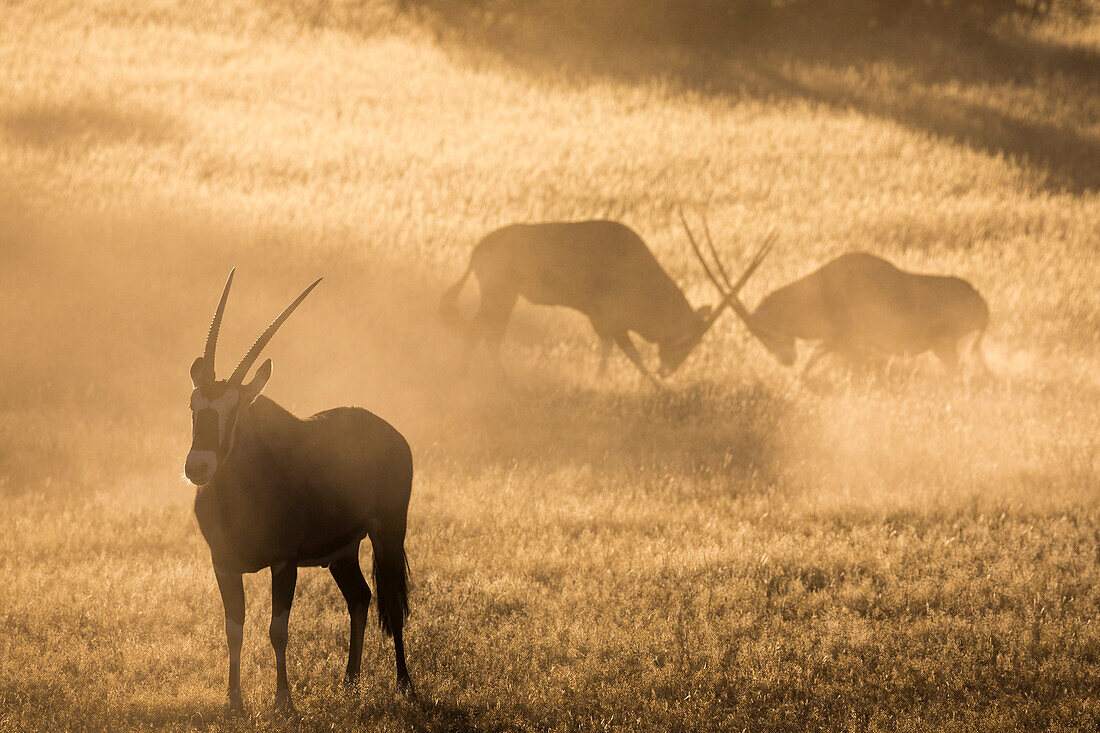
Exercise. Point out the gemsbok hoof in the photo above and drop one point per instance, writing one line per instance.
(234, 707)
(284, 705)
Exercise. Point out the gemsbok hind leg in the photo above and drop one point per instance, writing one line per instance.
(607, 340)
(492, 322)
(473, 338)
(348, 575)
(231, 586)
(284, 576)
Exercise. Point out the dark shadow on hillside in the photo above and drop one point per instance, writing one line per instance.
(1070, 159)
(83, 122)
(798, 63)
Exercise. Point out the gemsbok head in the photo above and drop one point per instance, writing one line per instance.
(216, 403)
(281, 492)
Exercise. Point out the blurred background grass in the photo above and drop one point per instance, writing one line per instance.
(737, 551)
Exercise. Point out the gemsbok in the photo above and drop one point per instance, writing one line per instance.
(602, 269)
(859, 305)
(277, 491)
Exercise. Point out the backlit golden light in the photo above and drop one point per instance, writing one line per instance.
(877, 545)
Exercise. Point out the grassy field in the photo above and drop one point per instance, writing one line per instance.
(739, 551)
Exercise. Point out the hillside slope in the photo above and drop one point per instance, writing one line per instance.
(740, 550)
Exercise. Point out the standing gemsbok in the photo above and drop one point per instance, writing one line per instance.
(282, 492)
(600, 268)
(860, 304)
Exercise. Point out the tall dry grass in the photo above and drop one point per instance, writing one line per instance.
(741, 550)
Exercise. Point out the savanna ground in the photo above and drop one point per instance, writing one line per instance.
(738, 551)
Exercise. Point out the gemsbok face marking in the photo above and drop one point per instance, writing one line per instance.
(213, 427)
(280, 492)
(602, 269)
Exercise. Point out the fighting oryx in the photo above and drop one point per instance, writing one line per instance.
(602, 269)
(278, 491)
(859, 305)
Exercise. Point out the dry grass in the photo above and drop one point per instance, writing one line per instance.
(740, 551)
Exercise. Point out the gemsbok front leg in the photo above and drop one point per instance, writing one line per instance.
(628, 348)
(820, 350)
(284, 576)
(349, 577)
(231, 586)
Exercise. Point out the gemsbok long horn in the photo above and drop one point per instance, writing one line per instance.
(730, 290)
(259, 344)
(735, 288)
(702, 260)
(755, 324)
(215, 326)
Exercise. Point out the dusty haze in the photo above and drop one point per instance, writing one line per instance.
(739, 550)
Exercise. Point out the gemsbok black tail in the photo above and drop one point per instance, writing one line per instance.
(391, 582)
(448, 304)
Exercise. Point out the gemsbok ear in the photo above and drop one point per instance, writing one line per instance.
(252, 389)
(197, 372)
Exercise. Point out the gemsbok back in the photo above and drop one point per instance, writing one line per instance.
(281, 492)
(860, 304)
(602, 269)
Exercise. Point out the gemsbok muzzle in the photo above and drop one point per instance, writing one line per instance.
(214, 426)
